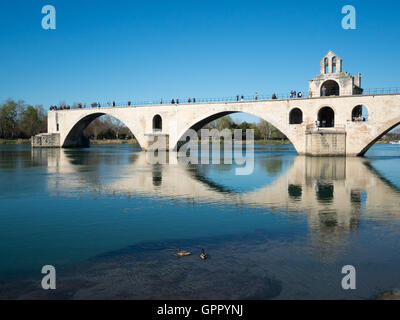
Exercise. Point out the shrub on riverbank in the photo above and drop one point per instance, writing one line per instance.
(15, 141)
(114, 141)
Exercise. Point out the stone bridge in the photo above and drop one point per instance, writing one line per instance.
(335, 100)
(293, 117)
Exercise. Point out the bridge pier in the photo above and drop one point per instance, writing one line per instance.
(156, 141)
(326, 142)
(46, 140)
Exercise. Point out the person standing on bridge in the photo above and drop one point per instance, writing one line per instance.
(324, 91)
(172, 101)
(237, 97)
(274, 97)
(113, 103)
(256, 97)
(194, 100)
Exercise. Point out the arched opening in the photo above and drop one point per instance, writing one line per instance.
(359, 114)
(334, 64)
(98, 128)
(295, 116)
(295, 191)
(157, 123)
(326, 65)
(326, 117)
(325, 191)
(264, 131)
(330, 88)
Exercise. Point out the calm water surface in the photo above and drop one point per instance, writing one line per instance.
(110, 224)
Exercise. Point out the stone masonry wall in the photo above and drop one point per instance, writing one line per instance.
(326, 143)
(46, 140)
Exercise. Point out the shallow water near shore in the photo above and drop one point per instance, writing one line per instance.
(110, 223)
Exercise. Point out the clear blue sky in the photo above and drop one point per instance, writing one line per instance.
(144, 50)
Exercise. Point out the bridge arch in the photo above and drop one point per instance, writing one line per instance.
(382, 130)
(200, 121)
(75, 137)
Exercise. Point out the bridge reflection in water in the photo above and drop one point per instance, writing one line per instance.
(333, 192)
(311, 217)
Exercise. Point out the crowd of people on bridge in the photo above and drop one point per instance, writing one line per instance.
(176, 101)
(293, 94)
(61, 107)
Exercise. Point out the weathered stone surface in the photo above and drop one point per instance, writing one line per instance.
(331, 70)
(326, 142)
(46, 140)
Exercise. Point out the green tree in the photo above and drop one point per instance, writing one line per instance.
(8, 119)
(30, 122)
(269, 132)
(225, 123)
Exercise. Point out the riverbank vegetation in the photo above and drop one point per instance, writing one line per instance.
(108, 128)
(263, 131)
(21, 121)
(114, 141)
(15, 141)
(393, 136)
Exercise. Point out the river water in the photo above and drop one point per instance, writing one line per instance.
(110, 224)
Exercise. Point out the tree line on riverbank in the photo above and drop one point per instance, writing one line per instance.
(19, 120)
(263, 131)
